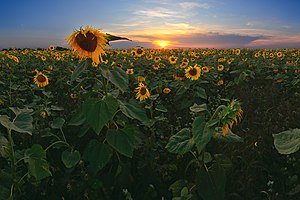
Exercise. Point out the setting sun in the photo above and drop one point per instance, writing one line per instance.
(162, 43)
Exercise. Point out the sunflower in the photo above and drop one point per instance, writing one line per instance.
(178, 77)
(279, 54)
(142, 92)
(155, 66)
(205, 69)
(193, 73)
(220, 67)
(43, 114)
(166, 90)
(51, 47)
(139, 52)
(124, 51)
(140, 78)
(220, 82)
(129, 71)
(40, 79)
(183, 65)
(237, 52)
(149, 57)
(88, 43)
(230, 115)
(172, 59)
(43, 58)
(157, 59)
(230, 61)
(185, 60)
(15, 59)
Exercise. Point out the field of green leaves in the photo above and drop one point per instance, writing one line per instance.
(145, 124)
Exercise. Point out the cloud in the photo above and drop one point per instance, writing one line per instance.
(276, 42)
(190, 5)
(157, 12)
(191, 40)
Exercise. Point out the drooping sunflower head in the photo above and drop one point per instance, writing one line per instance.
(88, 43)
(193, 73)
(40, 79)
(142, 92)
(230, 115)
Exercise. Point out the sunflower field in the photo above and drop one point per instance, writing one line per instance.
(145, 124)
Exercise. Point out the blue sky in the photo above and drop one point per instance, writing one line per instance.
(183, 23)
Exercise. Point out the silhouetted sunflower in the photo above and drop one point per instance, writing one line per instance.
(89, 43)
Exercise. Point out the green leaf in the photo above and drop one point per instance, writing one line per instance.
(110, 37)
(200, 92)
(4, 147)
(287, 142)
(230, 137)
(116, 76)
(223, 161)
(97, 154)
(37, 165)
(78, 70)
(99, 112)
(198, 108)
(211, 183)
(134, 110)
(121, 141)
(57, 123)
(78, 118)
(70, 158)
(201, 133)
(181, 143)
(177, 186)
(22, 123)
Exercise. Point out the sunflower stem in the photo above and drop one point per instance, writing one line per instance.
(217, 111)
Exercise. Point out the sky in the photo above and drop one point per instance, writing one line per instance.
(180, 23)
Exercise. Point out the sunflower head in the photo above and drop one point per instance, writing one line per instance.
(155, 66)
(230, 115)
(142, 92)
(88, 43)
(40, 79)
(172, 59)
(51, 47)
(166, 90)
(129, 71)
(205, 69)
(139, 52)
(193, 73)
(43, 114)
(220, 67)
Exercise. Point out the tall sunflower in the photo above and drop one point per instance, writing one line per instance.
(142, 92)
(88, 43)
(40, 79)
(230, 115)
(193, 73)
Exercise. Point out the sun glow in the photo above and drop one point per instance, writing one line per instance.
(162, 43)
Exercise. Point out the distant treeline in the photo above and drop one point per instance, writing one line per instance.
(56, 48)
